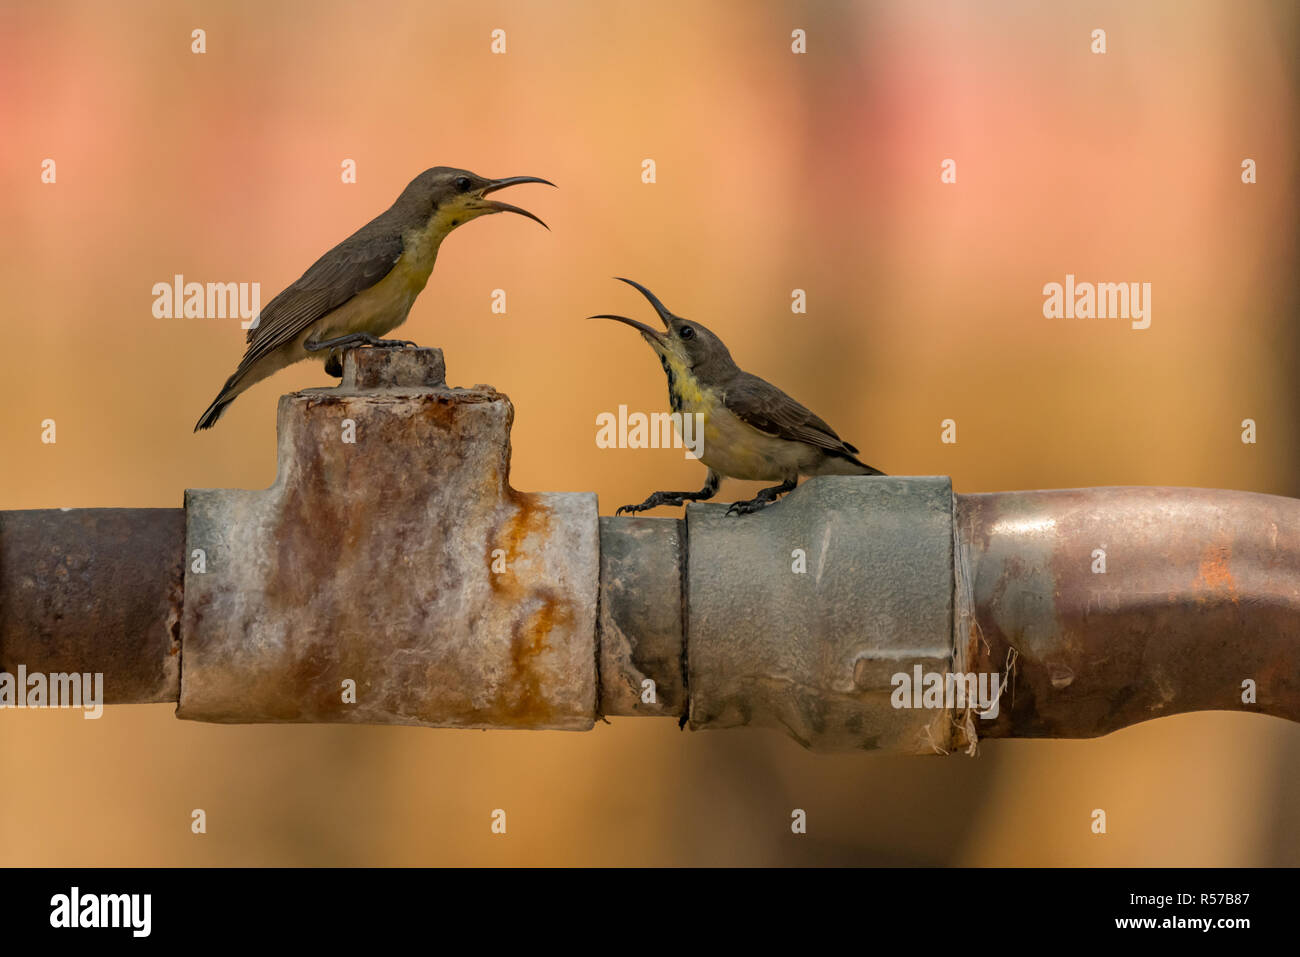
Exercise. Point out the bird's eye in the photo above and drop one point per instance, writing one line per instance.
(686, 332)
(463, 184)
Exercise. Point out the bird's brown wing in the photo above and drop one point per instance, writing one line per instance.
(768, 409)
(351, 267)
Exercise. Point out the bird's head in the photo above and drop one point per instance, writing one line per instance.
(455, 196)
(684, 344)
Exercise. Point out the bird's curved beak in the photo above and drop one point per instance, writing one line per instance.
(492, 206)
(653, 335)
(665, 316)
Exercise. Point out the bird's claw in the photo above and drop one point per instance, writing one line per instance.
(654, 501)
(355, 339)
(749, 507)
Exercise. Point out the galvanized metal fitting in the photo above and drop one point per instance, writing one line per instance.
(642, 624)
(800, 616)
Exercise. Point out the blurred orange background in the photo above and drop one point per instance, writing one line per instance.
(775, 171)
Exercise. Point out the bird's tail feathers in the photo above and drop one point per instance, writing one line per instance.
(226, 396)
(252, 370)
(866, 469)
(213, 412)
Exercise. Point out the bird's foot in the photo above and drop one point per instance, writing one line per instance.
(358, 339)
(677, 498)
(393, 344)
(763, 499)
(654, 501)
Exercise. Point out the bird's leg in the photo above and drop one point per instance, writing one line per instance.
(357, 338)
(677, 498)
(764, 498)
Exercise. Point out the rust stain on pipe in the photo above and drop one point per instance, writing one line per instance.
(521, 700)
(1214, 574)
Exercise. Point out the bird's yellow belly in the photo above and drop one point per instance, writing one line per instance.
(737, 450)
(381, 308)
(385, 305)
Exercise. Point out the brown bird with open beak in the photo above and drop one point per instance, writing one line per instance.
(752, 430)
(365, 286)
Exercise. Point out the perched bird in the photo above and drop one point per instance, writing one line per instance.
(364, 287)
(752, 430)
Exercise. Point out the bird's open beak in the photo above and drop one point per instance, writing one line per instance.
(652, 334)
(492, 206)
(666, 317)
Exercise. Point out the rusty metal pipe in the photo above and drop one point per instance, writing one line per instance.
(94, 590)
(392, 575)
(1125, 604)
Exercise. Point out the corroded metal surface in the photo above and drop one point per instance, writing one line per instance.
(1199, 592)
(94, 590)
(642, 671)
(814, 651)
(392, 575)
(391, 554)
(393, 370)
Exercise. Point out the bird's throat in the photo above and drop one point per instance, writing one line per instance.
(420, 249)
(685, 394)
